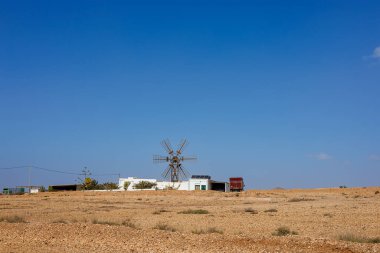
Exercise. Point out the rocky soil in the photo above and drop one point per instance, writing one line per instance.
(168, 221)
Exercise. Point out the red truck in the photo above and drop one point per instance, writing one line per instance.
(236, 184)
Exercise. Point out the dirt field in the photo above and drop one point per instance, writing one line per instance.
(169, 221)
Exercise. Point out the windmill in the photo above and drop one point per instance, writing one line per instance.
(175, 170)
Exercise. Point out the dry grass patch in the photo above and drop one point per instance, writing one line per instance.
(195, 211)
(164, 226)
(160, 211)
(129, 223)
(102, 222)
(272, 210)
(300, 199)
(62, 221)
(283, 231)
(251, 210)
(359, 239)
(13, 219)
(207, 231)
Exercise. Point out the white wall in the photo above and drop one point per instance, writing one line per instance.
(184, 185)
(199, 181)
(162, 185)
(34, 190)
(133, 181)
(227, 187)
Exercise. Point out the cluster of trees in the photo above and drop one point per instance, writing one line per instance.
(92, 184)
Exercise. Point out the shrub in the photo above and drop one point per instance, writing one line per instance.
(272, 210)
(251, 210)
(128, 223)
(208, 231)
(197, 211)
(60, 221)
(89, 184)
(126, 185)
(109, 186)
(110, 223)
(164, 226)
(214, 230)
(359, 239)
(342, 186)
(144, 185)
(13, 219)
(282, 231)
(160, 211)
(300, 199)
(377, 192)
(198, 231)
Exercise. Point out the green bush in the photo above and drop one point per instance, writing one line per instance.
(144, 185)
(126, 185)
(90, 184)
(109, 186)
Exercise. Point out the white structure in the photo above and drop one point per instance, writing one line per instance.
(132, 182)
(34, 190)
(190, 185)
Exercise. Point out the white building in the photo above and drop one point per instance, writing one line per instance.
(198, 183)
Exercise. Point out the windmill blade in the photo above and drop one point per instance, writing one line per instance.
(189, 158)
(167, 146)
(182, 145)
(166, 172)
(183, 172)
(160, 159)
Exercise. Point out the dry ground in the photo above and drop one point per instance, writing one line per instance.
(151, 221)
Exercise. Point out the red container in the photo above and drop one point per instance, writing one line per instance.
(236, 184)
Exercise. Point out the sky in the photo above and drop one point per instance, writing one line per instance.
(282, 93)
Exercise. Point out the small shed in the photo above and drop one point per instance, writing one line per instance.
(14, 191)
(65, 187)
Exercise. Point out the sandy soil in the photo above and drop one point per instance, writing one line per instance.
(153, 222)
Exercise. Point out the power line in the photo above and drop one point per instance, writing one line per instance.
(58, 171)
(16, 167)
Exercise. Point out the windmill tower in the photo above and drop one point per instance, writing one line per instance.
(175, 171)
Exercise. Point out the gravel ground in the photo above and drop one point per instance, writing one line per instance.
(153, 221)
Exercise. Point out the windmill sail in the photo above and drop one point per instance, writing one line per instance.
(175, 171)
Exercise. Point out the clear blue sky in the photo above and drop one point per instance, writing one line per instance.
(283, 93)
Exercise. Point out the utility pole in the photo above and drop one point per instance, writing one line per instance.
(86, 172)
(29, 177)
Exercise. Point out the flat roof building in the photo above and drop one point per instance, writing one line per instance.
(202, 183)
